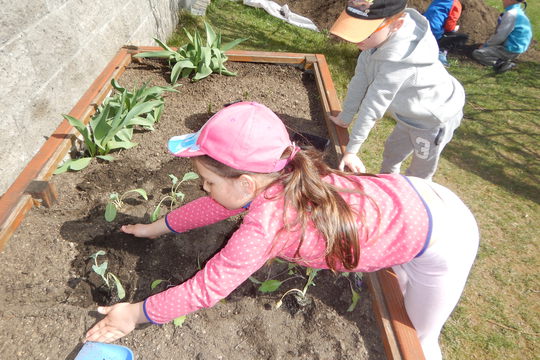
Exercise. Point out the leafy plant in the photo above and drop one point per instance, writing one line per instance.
(271, 285)
(300, 295)
(111, 127)
(175, 196)
(356, 285)
(116, 202)
(101, 270)
(201, 58)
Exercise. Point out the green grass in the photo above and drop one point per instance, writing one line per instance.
(492, 163)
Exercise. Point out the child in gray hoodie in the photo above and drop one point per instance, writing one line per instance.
(398, 72)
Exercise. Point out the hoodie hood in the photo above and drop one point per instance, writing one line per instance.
(422, 47)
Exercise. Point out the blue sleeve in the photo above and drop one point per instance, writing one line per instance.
(436, 14)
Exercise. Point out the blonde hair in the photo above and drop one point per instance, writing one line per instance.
(315, 201)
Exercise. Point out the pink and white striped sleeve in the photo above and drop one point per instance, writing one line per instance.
(201, 212)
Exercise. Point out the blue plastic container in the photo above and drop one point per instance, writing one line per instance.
(102, 351)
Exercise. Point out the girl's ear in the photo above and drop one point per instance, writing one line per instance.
(247, 184)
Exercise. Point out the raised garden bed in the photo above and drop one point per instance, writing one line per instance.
(48, 288)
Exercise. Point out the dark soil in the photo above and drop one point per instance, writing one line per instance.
(49, 293)
(478, 20)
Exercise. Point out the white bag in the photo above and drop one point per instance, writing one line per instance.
(283, 13)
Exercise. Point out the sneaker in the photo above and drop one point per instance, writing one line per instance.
(442, 58)
(503, 66)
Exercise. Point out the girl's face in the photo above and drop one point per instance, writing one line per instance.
(230, 193)
(379, 36)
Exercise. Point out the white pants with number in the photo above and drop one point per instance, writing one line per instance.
(433, 282)
(425, 145)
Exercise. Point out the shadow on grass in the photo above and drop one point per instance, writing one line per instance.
(498, 139)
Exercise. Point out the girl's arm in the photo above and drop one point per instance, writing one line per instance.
(151, 231)
(198, 213)
(245, 252)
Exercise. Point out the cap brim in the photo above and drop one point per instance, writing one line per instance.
(185, 145)
(353, 29)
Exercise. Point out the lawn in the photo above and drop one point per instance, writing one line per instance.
(492, 163)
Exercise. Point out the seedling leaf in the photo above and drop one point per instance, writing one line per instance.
(270, 286)
(155, 283)
(190, 176)
(119, 288)
(355, 297)
(155, 214)
(110, 212)
(179, 321)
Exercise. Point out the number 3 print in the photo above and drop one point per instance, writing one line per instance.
(422, 151)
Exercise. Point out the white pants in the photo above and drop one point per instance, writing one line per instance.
(433, 282)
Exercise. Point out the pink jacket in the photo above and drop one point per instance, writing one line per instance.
(395, 236)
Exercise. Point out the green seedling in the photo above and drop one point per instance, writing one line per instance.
(198, 57)
(111, 127)
(179, 321)
(271, 285)
(175, 196)
(101, 270)
(355, 284)
(300, 295)
(115, 202)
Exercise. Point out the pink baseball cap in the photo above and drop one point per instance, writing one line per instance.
(246, 136)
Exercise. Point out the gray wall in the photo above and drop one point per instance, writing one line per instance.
(50, 53)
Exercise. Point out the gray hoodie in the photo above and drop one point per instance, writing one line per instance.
(405, 78)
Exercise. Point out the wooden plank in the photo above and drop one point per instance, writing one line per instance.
(388, 336)
(44, 191)
(242, 55)
(14, 203)
(14, 219)
(403, 329)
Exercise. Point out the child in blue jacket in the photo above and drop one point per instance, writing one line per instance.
(512, 37)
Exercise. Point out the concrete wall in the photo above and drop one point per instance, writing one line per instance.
(50, 53)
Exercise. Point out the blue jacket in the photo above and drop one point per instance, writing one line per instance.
(436, 13)
(513, 30)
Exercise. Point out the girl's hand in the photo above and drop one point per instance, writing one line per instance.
(120, 321)
(353, 162)
(338, 122)
(150, 231)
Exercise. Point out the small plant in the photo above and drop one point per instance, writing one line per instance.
(196, 57)
(116, 202)
(175, 196)
(356, 286)
(300, 295)
(272, 285)
(111, 127)
(101, 270)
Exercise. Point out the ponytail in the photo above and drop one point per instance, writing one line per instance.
(319, 202)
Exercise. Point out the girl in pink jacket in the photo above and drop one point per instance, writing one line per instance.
(299, 209)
